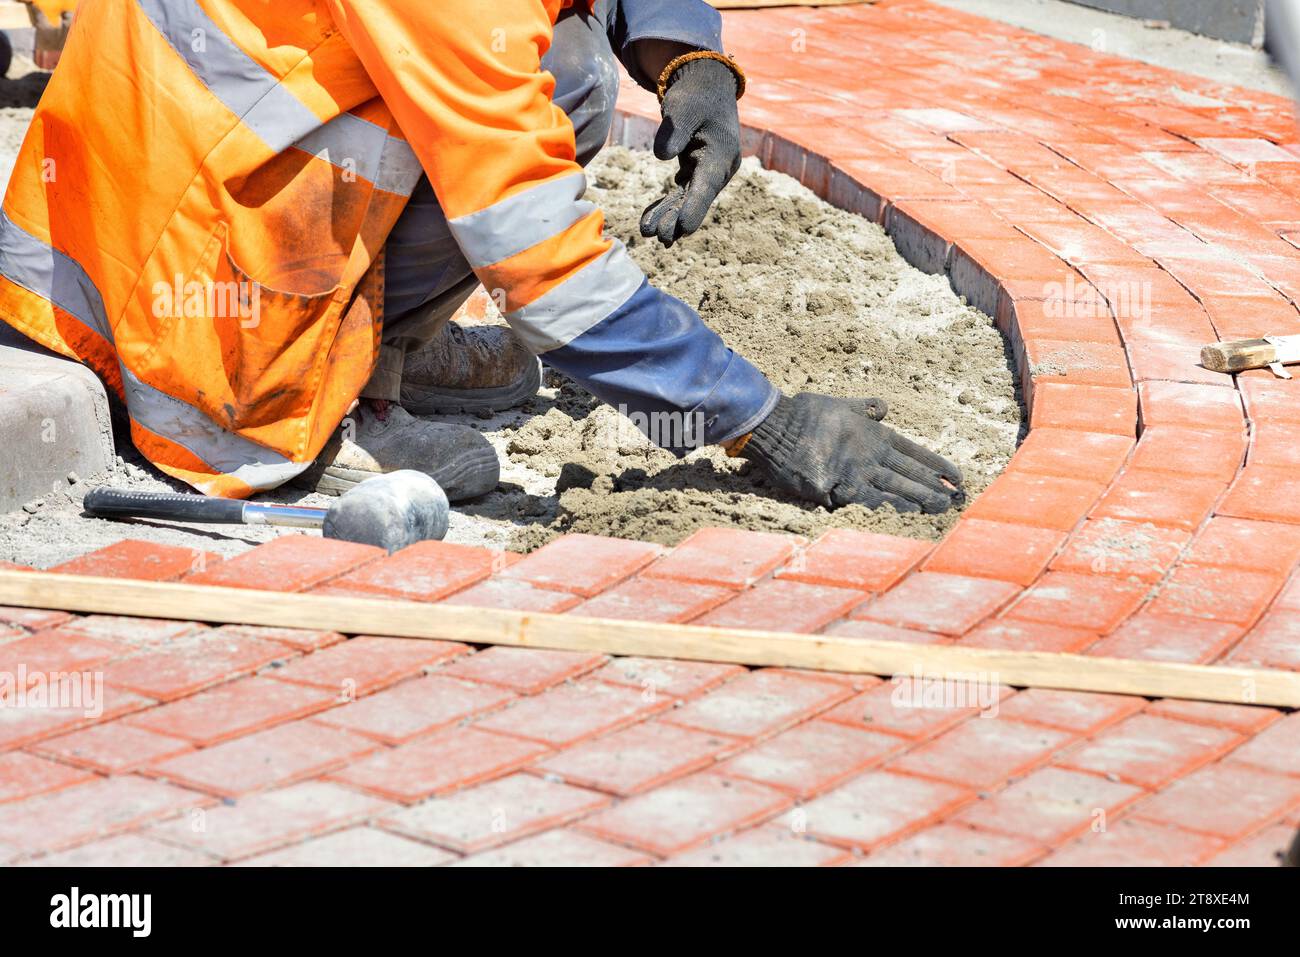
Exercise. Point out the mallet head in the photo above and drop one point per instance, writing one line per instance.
(390, 511)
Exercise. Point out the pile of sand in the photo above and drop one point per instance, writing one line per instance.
(817, 298)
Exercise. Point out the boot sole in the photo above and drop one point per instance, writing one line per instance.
(430, 400)
(465, 479)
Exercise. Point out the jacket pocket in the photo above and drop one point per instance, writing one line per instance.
(272, 344)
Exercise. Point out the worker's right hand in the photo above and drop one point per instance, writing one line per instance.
(835, 452)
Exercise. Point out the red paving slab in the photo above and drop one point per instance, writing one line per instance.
(1148, 515)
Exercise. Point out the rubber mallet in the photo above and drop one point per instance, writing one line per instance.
(390, 511)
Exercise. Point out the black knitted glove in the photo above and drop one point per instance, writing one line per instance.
(702, 128)
(835, 452)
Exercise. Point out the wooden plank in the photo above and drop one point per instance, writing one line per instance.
(491, 626)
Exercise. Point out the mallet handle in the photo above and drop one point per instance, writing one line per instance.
(180, 507)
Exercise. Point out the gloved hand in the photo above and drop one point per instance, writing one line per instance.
(701, 127)
(835, 452)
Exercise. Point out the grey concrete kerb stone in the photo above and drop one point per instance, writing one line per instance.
(54, 421)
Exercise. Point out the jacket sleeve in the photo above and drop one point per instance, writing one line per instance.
(465, 83)
(690, 22)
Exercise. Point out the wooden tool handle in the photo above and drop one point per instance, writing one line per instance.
(1238, 355)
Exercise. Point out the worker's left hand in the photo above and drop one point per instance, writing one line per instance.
(701, 127)
(835, 452)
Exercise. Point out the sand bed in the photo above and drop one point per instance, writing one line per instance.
(821, 301)
(818, 298)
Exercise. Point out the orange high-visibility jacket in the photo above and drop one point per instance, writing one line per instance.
(206, 185)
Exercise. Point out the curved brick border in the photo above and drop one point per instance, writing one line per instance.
(1144, 516)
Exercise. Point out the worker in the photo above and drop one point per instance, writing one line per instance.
(246, 216)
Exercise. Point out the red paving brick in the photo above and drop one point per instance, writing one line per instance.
(97, 808)
(135, 559)
(426, 571)
(559, 848)
(1276, 749)
(25, 726)
(726, 557)
(1091, 456)
(139, 632)
(783, 605)
(439, 763)
(1245, 719)
(949, 845)
(1009, 634)
(366, 664)
(123, 850)
(1091, 602)
(24, 775)
(1227, 801)
(1051, 805)
(263, 822)
(1158, 637)
(1014, 553)
(271, 758)
(303, 639)
(573, 712)
(769, 845)
(879, 806)
(811, 758)
(931, 601)
(653, 599)
(638, 758)
(1219, 594)
(1140, 551)
(1270, 547)
(1274, 642)
(1045, 501)
(56, 651)
(525, 670)
(1135, 843)
(355, 846)
(759, 704)
(677, 679)
(112, 748)
(193, 662)
(495, 813)
(1192, 452)
(288, 563)
(685, 813)
(1150, 751)
(845, 558)
(983, 752)
(1081, 712)
(915, 708)
(1268, 848)
(416, 707)
(514, 596)
(232, 709)
(583, 564)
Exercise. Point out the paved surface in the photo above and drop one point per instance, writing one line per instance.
(1148, 515)
(1235, 63)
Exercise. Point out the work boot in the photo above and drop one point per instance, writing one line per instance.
(380, 437)
(480, 369)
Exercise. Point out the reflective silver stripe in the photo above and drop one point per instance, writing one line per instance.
(399, 167)
(257, 97)
(357, 145)
(191, 429)
(521, 221)
(578, 303)
(277, 117)
(40, 268)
